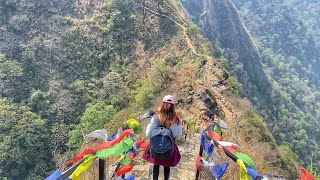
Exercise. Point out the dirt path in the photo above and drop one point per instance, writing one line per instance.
(185, 169)
(184, 29)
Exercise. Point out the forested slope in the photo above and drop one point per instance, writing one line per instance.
(287, 34)
(275, 55)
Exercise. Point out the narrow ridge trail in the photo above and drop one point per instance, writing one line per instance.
(189, 148)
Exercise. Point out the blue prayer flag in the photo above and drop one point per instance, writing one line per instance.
(253, 173)
(55, 175)
(206, 145)
(220, 169)
(131, 177)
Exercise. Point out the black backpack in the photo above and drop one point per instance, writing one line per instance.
(161, 143)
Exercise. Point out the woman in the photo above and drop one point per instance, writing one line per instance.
(165, 116)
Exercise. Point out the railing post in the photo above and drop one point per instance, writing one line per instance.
(101, 169)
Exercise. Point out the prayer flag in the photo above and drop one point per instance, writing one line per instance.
(124, 169)
(220, 169)
(131, 177)
(82, 167)
(109, 144)
(305, 175)
(99, 134)
(245, 158)
(207, 145)
(121, 147)
(55, 175)
(253, 173)
(243, 170)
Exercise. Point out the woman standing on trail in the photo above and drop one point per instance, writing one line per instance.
(164, 129)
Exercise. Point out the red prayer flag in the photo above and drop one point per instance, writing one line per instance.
(142, 144)
(215, 136)
(124, 169)
(198, 167)
(305, 175)
(109, 144)
(132, 156)
(80, 156)
(232, 149)
(207, 124)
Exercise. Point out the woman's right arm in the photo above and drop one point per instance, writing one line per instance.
(151, 125)
(146, 115)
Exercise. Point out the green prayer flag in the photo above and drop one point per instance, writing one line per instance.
(122, 147)
(247, 159)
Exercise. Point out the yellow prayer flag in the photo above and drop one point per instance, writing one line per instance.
(82, 167)
(243, 171)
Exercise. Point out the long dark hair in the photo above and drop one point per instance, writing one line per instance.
(167, 115)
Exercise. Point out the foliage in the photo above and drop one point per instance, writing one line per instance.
(24, 143)
(94, 117)
(288, 158)
(193, 28)
(291, 62)
(234, 85)
(9, 69)
(40, 102)
(145, 94)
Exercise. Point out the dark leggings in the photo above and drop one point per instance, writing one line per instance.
(156, 170)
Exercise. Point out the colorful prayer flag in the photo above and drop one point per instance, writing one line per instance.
(253, 173)
(220, 169)
(243, 170)
(305, 174)
(135, 125)
(215, 136)
(245, 158)
(131, 177)
(99, 134)
(124, 169)
(80, 156)
(82, 167)
(121, 147)
(207, 145)
(109, 144)
(55, 175)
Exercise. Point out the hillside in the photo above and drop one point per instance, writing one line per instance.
(275, 57)
(70, 67)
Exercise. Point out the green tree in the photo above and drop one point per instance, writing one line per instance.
(9, 72)
(95, 117)
(24, 142)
